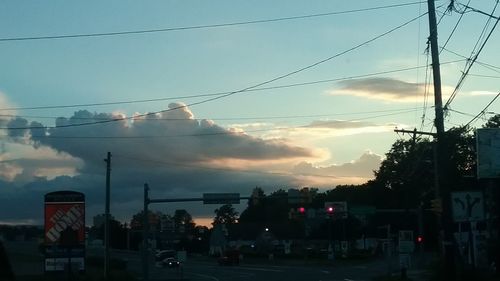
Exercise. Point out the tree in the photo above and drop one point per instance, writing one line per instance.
(493, 122)
(138, 219)
(407, 174)
(225, 215)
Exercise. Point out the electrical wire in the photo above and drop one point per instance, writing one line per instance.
(454, 28)
(482, 112)
(218, 93)
(220, 118)
(484, 76)
(86, 137)
(426, 90)
(250, 87)
(471, 63)
(485, 65)
(462, 113)
(203, 26)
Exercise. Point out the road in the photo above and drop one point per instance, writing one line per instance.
(205, 269)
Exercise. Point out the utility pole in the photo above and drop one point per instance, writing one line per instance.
(145, 236)
(442, 164)
(107, 215)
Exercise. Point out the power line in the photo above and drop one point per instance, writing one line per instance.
(218, 93)
(471, 63)
(219, 118)
(479, 11)
(461, 112)
(204, 26)
(455, 27)
(484, 76)
(482, 111)
(250, 87)
(86, 137)
(483, 64)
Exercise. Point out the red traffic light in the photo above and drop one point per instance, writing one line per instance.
(302, 210)
(420, 239)
(330, 209)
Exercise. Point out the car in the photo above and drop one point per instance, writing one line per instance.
(171, 262)
(163, 254)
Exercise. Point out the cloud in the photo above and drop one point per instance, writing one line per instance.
(22, 163)
(176, 154)
(362, 167)
(387, 89)
(172, 135)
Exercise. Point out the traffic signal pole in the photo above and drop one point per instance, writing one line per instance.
(107, 216)
(145, 236)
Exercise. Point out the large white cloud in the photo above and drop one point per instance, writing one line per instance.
(172, 151)
(176, 154)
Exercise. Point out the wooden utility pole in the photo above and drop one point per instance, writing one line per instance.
(145, 235)
(107, 216)
(442, 163)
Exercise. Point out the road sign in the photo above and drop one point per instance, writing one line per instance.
(221, 198)
(488, 153)
(467, 206)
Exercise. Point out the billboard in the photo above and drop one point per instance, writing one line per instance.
(488, 153)
(64, 233)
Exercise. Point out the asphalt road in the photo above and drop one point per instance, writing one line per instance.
(197, 270)
(26, 260)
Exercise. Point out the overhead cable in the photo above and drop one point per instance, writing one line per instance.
(86, 137)
(169, 29)
(219, 93)
(470, 64)
(482, 112)
(250, 87)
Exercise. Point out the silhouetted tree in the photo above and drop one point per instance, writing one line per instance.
(226, 214)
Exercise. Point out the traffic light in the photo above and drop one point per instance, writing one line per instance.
(420, 239)
(330, 209)
(301, 210)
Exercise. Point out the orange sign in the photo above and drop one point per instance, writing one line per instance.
(63, 213)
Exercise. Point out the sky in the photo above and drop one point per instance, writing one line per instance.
(226, 99)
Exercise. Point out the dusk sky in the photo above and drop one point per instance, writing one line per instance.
(236, 102)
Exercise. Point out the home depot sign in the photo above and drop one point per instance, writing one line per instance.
(64, 230)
